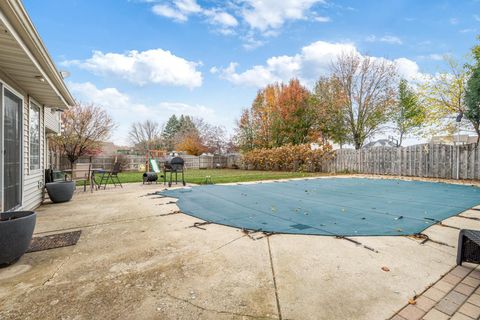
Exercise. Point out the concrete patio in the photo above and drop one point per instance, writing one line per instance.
(137, 260)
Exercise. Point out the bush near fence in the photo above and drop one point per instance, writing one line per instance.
(288, 158)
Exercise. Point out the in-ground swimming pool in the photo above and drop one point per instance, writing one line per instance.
(328, 206)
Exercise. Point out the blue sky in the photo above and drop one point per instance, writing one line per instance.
(148, 59)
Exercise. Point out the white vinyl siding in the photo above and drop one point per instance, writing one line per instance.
(52, 120)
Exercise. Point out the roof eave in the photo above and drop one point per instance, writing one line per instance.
(21, 23)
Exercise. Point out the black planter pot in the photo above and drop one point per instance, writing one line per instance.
(16, 230)
(61, 191)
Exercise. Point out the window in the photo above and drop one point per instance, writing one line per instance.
(34, 137)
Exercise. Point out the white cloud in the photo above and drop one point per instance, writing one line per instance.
(433, 56)
(144, 67)
(169, 12)
(476, 17)
(322, 19)
(272, 14)
(453, 21)
(121, 107)
(408, 69)
(436, 56)
(221, 18)
(312, 62)
(180, 10)
(190, 6)
(251, 20)
(385, 39)
(250, 42)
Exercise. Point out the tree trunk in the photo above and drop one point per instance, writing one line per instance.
(477, 130)
(400, 140)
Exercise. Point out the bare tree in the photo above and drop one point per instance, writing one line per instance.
(146, 135)
(369, 87)
(213, 137)
(85, 127)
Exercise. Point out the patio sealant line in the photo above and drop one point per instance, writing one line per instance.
(101, 224)
(274, 280)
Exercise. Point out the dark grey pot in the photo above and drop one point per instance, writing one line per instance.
(16, 230)
(61, 191)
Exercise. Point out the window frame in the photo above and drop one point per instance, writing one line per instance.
(31, 109)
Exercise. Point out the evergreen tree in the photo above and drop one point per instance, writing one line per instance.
(170, 131)
(185, 125)
(472, 94)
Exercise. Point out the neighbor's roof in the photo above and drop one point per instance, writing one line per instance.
(25, 59)
(380, 143)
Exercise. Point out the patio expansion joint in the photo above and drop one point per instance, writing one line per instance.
(277, 299)
(237, 314)
(101, 224)
(427, 239)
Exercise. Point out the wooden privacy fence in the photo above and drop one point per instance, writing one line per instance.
(134, 162)
(423, 160)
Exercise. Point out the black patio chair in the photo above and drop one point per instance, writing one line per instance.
(468, 246)
(112, 176)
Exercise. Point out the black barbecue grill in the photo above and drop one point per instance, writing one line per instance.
(173, 165)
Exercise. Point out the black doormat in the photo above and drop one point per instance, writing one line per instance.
(53, 241)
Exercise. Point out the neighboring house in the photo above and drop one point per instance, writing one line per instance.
(380, 143)
(110, 149)
(454, 139)
(32, 92)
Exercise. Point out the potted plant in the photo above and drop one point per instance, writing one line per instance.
(60, 191)
(16, 230)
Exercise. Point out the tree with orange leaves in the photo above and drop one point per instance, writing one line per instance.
(280, 114)
(192, 143)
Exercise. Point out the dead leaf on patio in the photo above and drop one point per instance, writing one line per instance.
(412, 301)
(386, 269)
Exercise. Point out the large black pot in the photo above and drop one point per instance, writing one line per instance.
(60, 191)
(16, 230)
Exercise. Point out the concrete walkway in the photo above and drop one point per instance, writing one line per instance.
(137, 259)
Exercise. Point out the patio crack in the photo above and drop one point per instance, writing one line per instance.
(274, 280)
(57, 270)
(217, 311)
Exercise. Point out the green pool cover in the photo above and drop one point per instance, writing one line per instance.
(333, 206)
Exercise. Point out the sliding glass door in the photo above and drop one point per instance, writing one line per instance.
(12, 150)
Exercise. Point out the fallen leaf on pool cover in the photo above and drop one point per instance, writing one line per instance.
(386, 269)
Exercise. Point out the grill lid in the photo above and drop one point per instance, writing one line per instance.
(175, 160)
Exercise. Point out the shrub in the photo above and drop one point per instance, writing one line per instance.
(288, 158)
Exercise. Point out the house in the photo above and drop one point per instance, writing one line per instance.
(454, 139)
(380, 143)
(32, 93)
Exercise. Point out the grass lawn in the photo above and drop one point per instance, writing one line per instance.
(223, 175)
